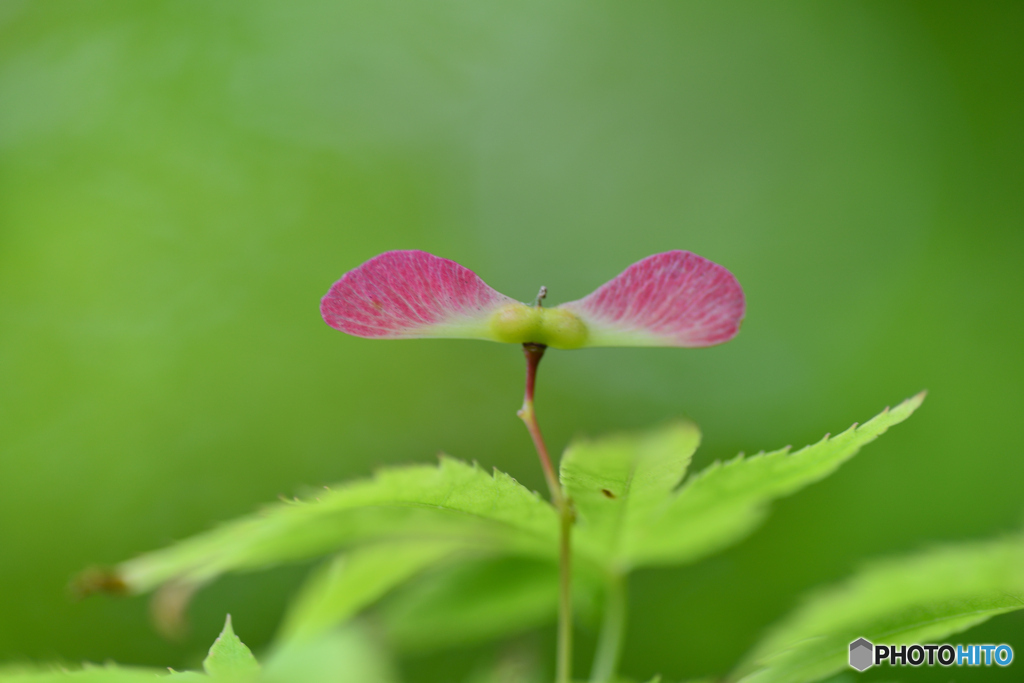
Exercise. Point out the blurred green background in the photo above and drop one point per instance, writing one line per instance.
(180, 181)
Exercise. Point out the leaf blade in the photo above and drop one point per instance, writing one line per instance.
(452, 501)
(916, 599)
(109, 673)
(229, 658)
(472, 602)
(342, 655)
(351, 582)
(724, 502)
(617, 480)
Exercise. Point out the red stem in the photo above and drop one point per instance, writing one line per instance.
(534, 353)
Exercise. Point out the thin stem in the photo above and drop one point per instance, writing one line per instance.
(565, 595)
(534, 353)
(613, 630)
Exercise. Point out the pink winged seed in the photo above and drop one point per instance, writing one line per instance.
(675, 298)
(406, 293)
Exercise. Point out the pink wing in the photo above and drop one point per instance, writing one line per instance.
(403, 294)
(671, 299)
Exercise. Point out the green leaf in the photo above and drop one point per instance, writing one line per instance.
(515, 665)
(918, 599)
(350, 582)
(109, 673)
(452, 501)
(631, 514)
(724, 502)
(473, 602)
(229, 658)
(854, 677)
(617, 483)
(344, 655)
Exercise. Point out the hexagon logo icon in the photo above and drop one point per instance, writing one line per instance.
(861, 654)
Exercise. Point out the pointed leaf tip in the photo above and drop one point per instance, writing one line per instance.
(408, 294)
(721, 504)
(675, 298)
(229, 657)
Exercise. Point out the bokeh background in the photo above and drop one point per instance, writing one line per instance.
(180, 181)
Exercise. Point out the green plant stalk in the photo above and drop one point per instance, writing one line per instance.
(613, 629)
(534, 353)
